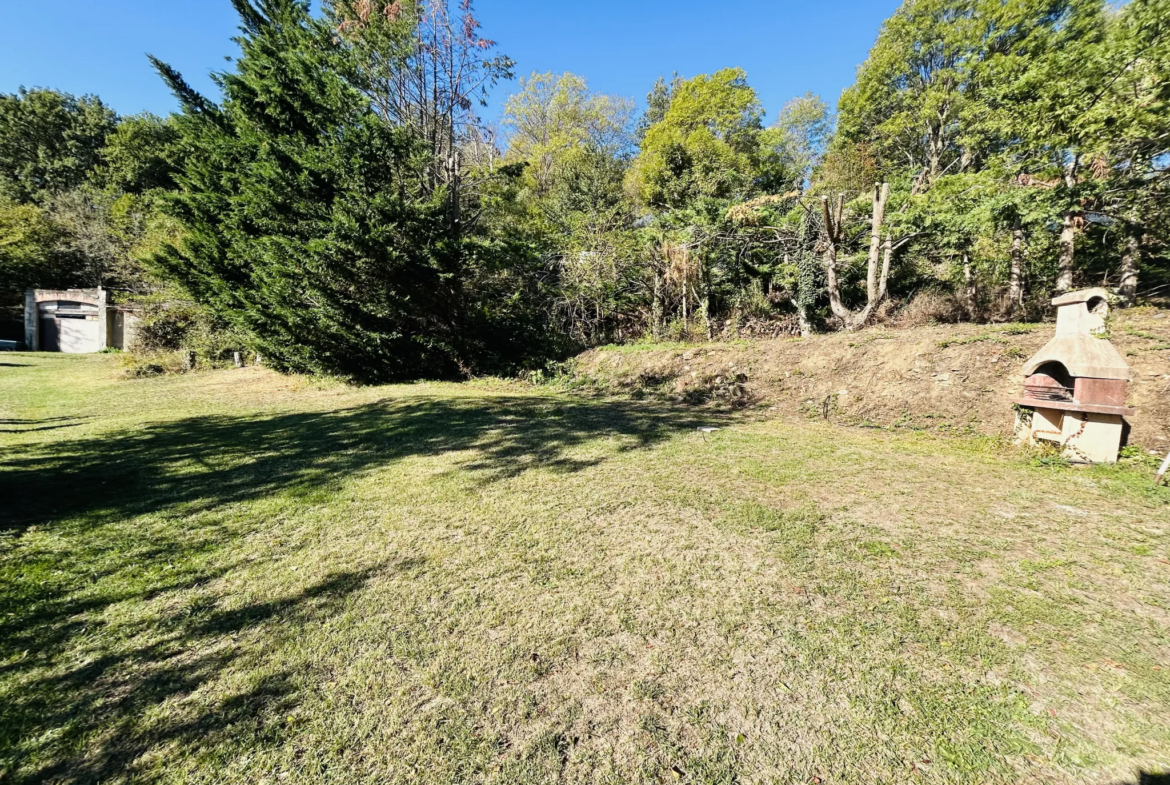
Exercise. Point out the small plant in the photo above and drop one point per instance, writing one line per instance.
(796, 522)
(146, 370)
(1049, 457)
(1136, 456)
(1016, 329)
(879, 550)
(981, 338)
(647, 690)
(1141, 334)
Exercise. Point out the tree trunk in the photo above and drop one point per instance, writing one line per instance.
(706, 304)
(1130, 263)
(887, 258)
(1068, 232)
(971, 293)
(1016, 287)
(802, 297)
(881, 195)
(805, 322)
(1068, 240)
(833, 217)
(656, 309)
(832, 284)
(876, 280)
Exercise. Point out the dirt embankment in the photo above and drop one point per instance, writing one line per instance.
(945, 377)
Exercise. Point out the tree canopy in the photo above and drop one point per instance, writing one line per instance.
(342, 207)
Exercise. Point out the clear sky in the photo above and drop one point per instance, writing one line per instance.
(786, 47)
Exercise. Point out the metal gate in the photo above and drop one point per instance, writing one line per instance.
(71, 334)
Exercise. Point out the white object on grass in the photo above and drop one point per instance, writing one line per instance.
(1161, 472)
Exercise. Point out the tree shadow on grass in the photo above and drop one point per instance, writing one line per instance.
(33, 426)
(201, 463)
(94, 721)
(83, 689)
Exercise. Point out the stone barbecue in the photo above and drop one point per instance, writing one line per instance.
(1075, 388)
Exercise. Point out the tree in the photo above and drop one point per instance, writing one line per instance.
(554, 118)
(707, 145)
(1040, 110)
(28, 253)
(573, 148)
(423, 65)
(800, 136)
(881, 252)
(1013, 89)
(1137, 138)
(657, 102)
(909, 94)
(706, 155)
(141, 154)
(309, 220)
(49, 142)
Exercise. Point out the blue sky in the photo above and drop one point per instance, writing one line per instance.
(786, 47)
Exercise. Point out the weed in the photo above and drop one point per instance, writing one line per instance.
(966, 341)
(1145, 335)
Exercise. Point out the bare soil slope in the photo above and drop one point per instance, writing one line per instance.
(948, 377)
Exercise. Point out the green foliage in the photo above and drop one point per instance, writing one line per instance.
(49, 142)
(657, 102)
(570, 148)
(345, 212)
(305, 224)
(28, 256)
(707, 145)
(800, 135)
(81, 189)
(141, 155)
(555, 121)
(311, 225)
(1027, 115)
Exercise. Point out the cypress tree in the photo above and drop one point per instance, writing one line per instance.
(306, 221)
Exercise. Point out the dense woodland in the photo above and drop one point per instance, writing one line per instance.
(341, 207)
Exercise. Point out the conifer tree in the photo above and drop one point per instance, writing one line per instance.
(307, 224)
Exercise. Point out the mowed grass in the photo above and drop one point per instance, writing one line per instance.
(236, 577)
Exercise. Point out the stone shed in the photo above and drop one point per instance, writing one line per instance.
(75, 321)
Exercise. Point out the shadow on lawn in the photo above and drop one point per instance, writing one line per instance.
(88, 687)
(33, 426)
(93, 722)
(203, 462)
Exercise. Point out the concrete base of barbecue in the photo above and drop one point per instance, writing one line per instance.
(1086, 437)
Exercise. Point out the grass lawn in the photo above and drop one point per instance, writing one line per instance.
(236, 577)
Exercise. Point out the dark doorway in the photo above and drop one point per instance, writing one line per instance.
(50, 339)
